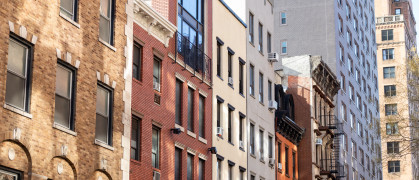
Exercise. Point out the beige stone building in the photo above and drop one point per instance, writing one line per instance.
(396, 35)
(229, 92)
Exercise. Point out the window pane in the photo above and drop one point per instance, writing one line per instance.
(201, 117)
(62, 111)
(5, 175)
(156, 71)
(102, 101)
(155, 147)
(102, 128)
(15, 90)
(134, 138)
(105, 8)
(63, 82)
(201, 169)
(191, 7)
(178, 160)
(17, 58)
(190, 109)
(178, 102)
(67, 5)
(105, 29)
(136, 68)
(190, 167)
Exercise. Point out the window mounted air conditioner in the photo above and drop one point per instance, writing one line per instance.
(279, 166)
(219, 131)
(156, 175)
(241, 144)
(273, 57)
(156, 86)
(271, 161)
(319, 141)
(230, 80)
(273, 105)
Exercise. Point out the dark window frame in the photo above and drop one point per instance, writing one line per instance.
(139, 74)
(387, 35)
(201, 118)
(393, 147)
(111, 106)
(112, 24)
(190, 113)
(137, 155)
(73, 92)
(19, 174)
(75, 10)
(157, 163)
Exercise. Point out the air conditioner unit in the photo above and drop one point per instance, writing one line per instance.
(219, 131)
(156, 86)
(271, 161)
(319, 141)
(273, 57)
(230, 80)
(156, 175)
(241, 144)
(273, 104)
(280, 166)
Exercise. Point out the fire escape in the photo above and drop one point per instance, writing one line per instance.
(330, 163)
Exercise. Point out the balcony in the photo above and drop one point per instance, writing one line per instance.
(288, 128)
(193, 58)
(389, 19)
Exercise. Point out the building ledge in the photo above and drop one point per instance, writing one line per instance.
(154, 23)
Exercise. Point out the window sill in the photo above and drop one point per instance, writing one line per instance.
(242, 95)
(220, 78)
(231, 143)
(180, 127)
(190, 133)
(70, 20)
(18, 111)
(262, 161)
(107, 45)
(252, 155)
(261, 103)
(231, 85)
(242, 149)
(99, 143)
(64, 129)
(202, 140)
(253, 96)
(261, 53)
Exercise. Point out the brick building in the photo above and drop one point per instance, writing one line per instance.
(61, 90)
(288, 135)
(171, 91)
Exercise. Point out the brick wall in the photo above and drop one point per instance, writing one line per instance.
(38, 150)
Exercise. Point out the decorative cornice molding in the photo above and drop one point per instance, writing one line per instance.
(154, 23)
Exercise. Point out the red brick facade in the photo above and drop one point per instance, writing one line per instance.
(163, 115)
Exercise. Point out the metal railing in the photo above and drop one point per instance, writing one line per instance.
(392, 18)
(193, 56)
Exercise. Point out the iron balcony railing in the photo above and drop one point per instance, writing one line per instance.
(193, 56)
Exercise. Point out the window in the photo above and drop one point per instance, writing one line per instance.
(349, 37)
(391, 128)
(387, 35)
(388, 54)
(343, 113)
(269, 90)
(252, 177)
(190, 165)
(230, 172)
(284, 47)
(348, 11)
(156, 74)
(64, 96)
(241, 77)
(137, 62)
(345, 142)
(351, 92)
(69, 8)
(353, 148)
(390, 90)
(342, 82)
(201, 169)
(393, 166)
(279, 152)
(219, 60)
(391, 109)
(260, 38)
(261, 87)
(340, 25)
(135, 138)
(178, 108)
(104, 115)
(178, 164)
(106, 23)
(241, 120)
(269, 42)
(219, 114)
(293, 165)
(261, 149)
(219, 169)
(251, 30)
(283, 18)
(252, 80)
(286, 161)
(389, 72)
(341, 53)
(190, 109)
(252, 139)
(230, 67)
(361, 154)
(202, 116)
(392, 147)
(18, 73)
(155, 148)
(397, 11)
(270, 152)
(241, 175)
(230, 129)
(10, 174)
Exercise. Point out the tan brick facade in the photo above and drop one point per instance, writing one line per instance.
(43, 151)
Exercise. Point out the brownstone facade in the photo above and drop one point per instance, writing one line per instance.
(31, 144)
